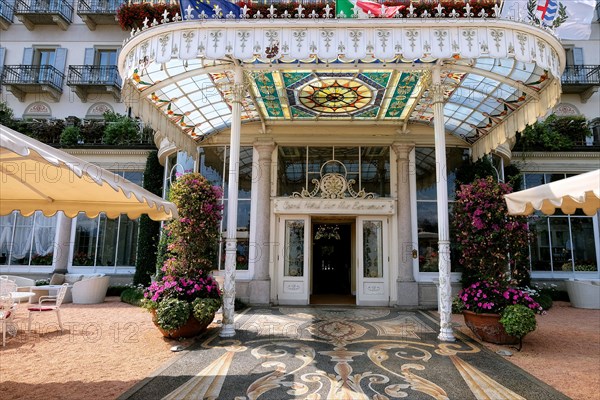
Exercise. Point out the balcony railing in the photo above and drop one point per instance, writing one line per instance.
(7, 12)
(32, 12)
(93, 75)
(583, 80)
(21, 79)
(581, 75)
(98, 12)
(88, 79)
(98, 6)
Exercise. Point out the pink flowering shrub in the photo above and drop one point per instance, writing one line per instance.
(489, 240)
(494, 297)
(182, 288)
(189, 247)
(193, 238)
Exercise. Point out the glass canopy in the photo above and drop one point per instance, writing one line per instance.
(200, 103)
(496, 76)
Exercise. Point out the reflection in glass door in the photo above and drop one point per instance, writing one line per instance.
(373, 257)
(292, 265)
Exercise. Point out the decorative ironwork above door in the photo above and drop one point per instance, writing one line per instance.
(333, 185)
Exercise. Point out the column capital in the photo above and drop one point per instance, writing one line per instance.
(264, 149)
(238, 90)
(237, 87)
(402, 150)
(437, 93)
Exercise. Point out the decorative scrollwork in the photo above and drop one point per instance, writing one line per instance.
(333, 185)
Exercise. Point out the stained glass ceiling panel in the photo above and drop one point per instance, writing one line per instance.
(336, 94)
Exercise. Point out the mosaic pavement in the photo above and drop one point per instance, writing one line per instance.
(338, 353)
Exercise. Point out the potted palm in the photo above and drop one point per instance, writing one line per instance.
(494, 250)
(183, 298)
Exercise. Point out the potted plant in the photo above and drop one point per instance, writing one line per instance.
(494, 250)
(492, 243)
(518, 320)
(184, 297)
(483, 305)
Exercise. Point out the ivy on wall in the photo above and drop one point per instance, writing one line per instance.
(554, 134)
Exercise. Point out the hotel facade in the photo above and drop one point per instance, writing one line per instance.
(345, 135)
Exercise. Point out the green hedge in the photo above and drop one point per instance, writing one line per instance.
(132, 296)
(149, 232)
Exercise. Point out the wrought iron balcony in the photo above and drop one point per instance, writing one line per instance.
(44, 12)
(98, 12)
(23, 79)
(583, 80)
(91, 79)
(7, 12)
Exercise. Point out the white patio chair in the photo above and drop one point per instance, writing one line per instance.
(41, 308)
(7, 312)
(7, 286)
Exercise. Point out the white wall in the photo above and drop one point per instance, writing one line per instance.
(76, 39)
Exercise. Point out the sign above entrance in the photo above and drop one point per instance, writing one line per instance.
(335, 206)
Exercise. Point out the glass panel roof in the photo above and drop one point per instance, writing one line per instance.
(196, 94)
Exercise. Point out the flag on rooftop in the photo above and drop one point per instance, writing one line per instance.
(196, 7)
(364, 7)
(548, 8)
(579, 15)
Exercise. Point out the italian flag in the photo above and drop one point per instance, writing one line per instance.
(347, 6)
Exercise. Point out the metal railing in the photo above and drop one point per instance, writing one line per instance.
(7, 10)
(176, 2)
(581, 75)
(33, 75)
(45, 7)
(94, 75)
(99, 6)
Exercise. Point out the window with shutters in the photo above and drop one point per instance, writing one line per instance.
(574, 55)
(106, 57)
(101, 65)
(45, 65)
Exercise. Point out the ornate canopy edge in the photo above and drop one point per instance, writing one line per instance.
(367, 42)
(518, 120)
(163, 128)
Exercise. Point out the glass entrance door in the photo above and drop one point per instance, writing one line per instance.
(293, 260)
(373, 259)
(331, 259)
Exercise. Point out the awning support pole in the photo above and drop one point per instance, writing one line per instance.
(228, 329)
(445, 295)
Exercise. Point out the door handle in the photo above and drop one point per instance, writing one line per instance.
(415, 254)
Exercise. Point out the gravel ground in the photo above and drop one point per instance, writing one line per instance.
(107, 348)
(564, 350)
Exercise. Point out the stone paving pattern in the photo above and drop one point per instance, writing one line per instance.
(339, 353)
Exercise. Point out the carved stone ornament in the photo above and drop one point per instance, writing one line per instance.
(333, 185)
(566, 110)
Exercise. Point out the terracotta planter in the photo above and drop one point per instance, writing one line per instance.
(190, 329)
(487, 327)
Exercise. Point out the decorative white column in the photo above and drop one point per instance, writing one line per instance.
(408, 289)
(260, 284)
(228, 329)
(62, 243)
(445, 295)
